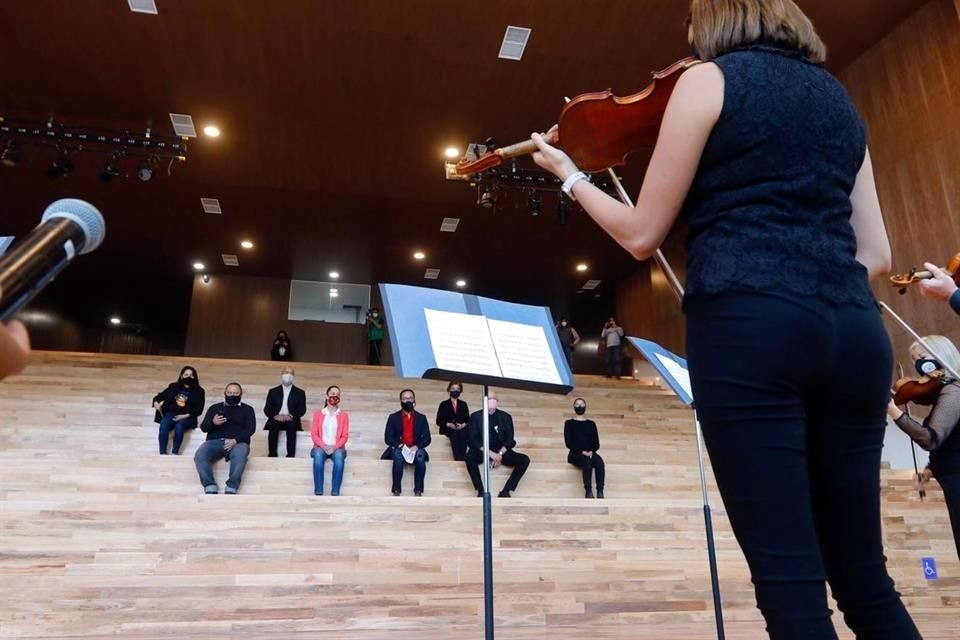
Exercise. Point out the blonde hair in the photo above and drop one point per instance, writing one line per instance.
(720, 26)
(946, 351)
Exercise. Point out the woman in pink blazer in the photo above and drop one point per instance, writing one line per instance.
(330, 430)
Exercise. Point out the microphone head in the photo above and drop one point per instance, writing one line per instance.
(85, 215)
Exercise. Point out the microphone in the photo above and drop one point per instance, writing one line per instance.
(68, 227)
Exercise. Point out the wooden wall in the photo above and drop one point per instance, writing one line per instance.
(907, 88)
(238, 317)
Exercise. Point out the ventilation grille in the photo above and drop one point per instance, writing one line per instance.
(230, 260)
(449, 224)
(589, 285)
(431, 274)
(143, 6)
(183, 125)
(211, 205)
(514, 42)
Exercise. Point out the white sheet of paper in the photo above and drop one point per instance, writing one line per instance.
(681, 375)
(461, 342)
(523, 352)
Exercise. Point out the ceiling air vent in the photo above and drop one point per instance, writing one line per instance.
(183, 125)
(211, 205)
(143, 6)
(590, 285)
(431, 274)
(449, 224)
(230, 260)
(514, 42)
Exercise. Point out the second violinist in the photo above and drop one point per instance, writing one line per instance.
(938, 433)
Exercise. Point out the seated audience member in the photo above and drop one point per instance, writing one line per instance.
(284, 408)
(453, 416)
(229, 425)
(14, 348)
(407, 436)
(178, 407)
(501, 451)
(282, 347)
(581, 437)
(330, 432)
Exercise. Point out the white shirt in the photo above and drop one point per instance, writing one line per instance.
(284, 411)
(330, 426)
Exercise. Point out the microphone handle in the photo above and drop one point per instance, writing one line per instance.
(35, 261)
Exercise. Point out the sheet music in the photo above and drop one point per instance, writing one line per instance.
(678, 373)
(523, 351)
(461, 342)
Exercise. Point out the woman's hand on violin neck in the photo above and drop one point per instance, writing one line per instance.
(550, 158)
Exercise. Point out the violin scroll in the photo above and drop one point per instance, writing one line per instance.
(903, 280)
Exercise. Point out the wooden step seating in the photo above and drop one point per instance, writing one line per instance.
(103, 536)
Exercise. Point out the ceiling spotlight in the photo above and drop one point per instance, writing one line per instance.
(452, 152)
(334, 275)
(461, 283)
(563, 209)
(246, 244)
(61, 166)
(582, 267)
(211, 131)
(11, 154)
(487, 199)
(534, 204)
(115, 320)
(111, 168)
(206, 278)
(419, 255)
(199, 266)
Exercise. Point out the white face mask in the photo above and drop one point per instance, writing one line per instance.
(287, 378)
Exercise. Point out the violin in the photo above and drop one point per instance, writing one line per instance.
(923, 390)
(904, 280)
(599, 130)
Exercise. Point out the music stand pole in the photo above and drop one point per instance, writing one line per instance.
(677, 289)
(488, 623)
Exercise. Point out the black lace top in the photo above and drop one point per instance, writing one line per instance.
(769, 208)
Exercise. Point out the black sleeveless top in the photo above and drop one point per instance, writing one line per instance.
(769, 209)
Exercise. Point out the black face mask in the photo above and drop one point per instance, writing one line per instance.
(186, 381)
(455, 394)
(926, 366)
(232, 400)
(407, 406)
(580, 410)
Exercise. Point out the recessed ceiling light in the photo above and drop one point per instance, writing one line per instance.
(419, 255)
(461, 283)
(334, 275)
(246, 244)
(211, 131)
(582, 267)
(334, 294)
(115, 320)
(199, 266)
(452, 152)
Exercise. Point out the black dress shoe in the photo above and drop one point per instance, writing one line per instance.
(396, 493)
(503, 494)
(600, 494)
(418, 493)
(479, 493)
(588, 494)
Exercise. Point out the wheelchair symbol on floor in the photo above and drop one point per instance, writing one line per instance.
(929, 568)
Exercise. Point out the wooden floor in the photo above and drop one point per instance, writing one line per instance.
(100, 536)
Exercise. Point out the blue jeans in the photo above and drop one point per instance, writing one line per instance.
(795, 447)
(179, 428)
(419, 469)
(211, 451)
(319, 464)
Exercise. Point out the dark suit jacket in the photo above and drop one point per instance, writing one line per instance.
(445, 414)
(194, 404)
(240, 425)
(393, 433)
(296, 404)
(503, 434)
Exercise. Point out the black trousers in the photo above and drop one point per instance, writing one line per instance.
(588, 465)
(458, 443)
(373, 351)
(794, 441)
(273, 438)
(950, 483)
(511, 458)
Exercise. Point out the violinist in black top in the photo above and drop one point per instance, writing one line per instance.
(178, 407)
(453, 416)
(581, 438)
(938, 433)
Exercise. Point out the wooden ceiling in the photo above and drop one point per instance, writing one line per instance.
(335, 114)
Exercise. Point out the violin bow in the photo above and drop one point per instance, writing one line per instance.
(913, 445)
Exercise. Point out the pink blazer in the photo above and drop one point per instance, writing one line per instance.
(343, 430)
